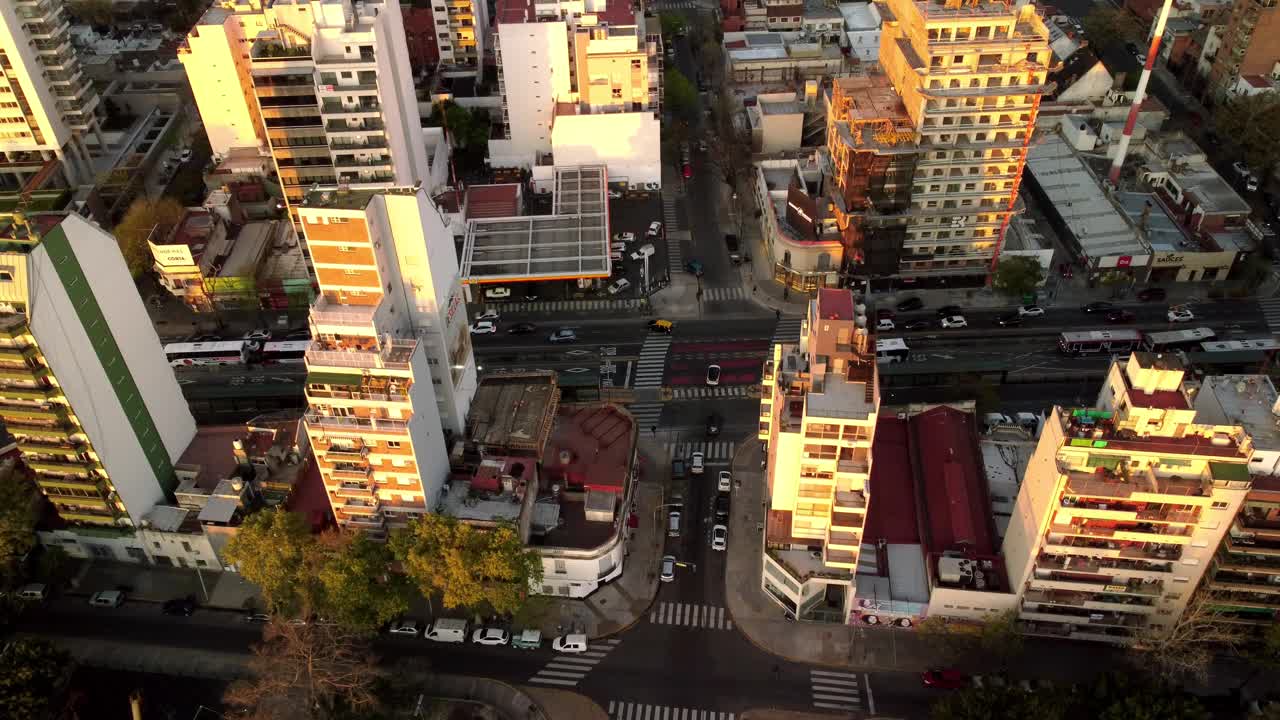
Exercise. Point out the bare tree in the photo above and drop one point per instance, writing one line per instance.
(1186, 650)
(308, 672)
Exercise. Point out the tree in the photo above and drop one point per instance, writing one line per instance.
(1115, 280)
(997, 701)
(995, 643)
(275, 551)
(1018, 275)
(672, 26)
(1185, 650)
(20, 503)
(1107, 26)
(1252, 122)
(1123, 696)
(93, 12)
(467, 130)
(469, 567)
(679, 95)
(308, 672)
(146, 219)
(359, 590)
(31, 673)
(728, 147)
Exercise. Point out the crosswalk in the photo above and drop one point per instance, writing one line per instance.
(676, 5)
(568, 670)
(670, 214)
(711, 450)
(641, 711)
(835, 690)
(787, 330)
(569, 305)
(652, 364)
(690, 615)
(1271, 311)
(720, 294)
(646, 414)
(675, 256)
(702, 391)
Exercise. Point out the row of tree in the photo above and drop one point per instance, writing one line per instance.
(1112, 696)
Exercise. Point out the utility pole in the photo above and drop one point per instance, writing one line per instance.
(1141, 92)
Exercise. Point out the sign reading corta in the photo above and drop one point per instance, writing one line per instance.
(171, 255)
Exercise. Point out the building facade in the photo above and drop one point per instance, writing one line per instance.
(1250, 45)
(460, 27)
(390, 373)
(47, 104)
(818, 408)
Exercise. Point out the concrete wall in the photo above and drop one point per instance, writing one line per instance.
(221, 86)
(535, 71)
(627, 144)
(1032, 511)
(970, 604)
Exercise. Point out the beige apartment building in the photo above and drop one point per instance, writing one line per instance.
(1123, 507)
(818, 407)
(971, 75)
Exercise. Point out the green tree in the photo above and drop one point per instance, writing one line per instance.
(274, 550)
(672, 25)
(20, 503)
(146, 219)
(679, 95)
(1124, 696)
(1115, 280)
(31, 674)
(93, 12)
(360, 591)
(728, 146)
(468, 567)
(466, 129)
(1106, 26)
(996, 642)
(1018, 275)
(998, 701)
(1252, 123)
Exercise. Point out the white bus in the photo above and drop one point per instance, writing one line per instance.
(1189, 339)
(1089, 342)
(287, 351)
(891, 350)
(1234, 345)
(230, 352)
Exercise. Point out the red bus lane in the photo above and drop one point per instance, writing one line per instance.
(740, 362)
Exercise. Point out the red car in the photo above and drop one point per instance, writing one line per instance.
(1064, 269)
(944, 679)
(1120, 316)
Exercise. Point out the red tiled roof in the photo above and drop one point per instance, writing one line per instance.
(193, 231)
(514, 11)
(618, 12)
(891, 514)
(1257, 81)
(835, 304)
(493, 201)
(957, 512)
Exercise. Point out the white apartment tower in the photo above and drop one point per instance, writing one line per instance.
(390, 372)
(324, 86)
(47, 103)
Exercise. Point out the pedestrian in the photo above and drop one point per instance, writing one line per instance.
(777, 313)
(654, 430)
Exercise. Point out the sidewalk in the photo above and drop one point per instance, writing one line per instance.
(148, 583)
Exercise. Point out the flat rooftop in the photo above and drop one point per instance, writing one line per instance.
(835, 304)
(493, 201)
(1247, 400)
(338, 197)
(1164, 234)
(514, 411)
(1097, 226)
(591, 447)
(891, 509)
(211, 450)
(956, 515)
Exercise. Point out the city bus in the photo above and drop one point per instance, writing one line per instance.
(287, 351)
(1235, 345)
(1089, 342)
(1189, 339)
(891, 350)
(230, 352)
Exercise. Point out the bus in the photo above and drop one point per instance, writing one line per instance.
(287, 351)
(891, 350)
(230, 352)
(1089, 342)
(1234, 345)
(1189, 339)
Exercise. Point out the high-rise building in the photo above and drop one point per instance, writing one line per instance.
(818, 406)
(47, 103)
(1250, 46)
(1123, 507)
(390, 373)
(581, 84)
(460, 36)
(325, 86)
(84, 383)
(971, 75)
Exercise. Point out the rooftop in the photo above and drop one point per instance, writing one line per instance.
(212, 452)
(341, 197)
(1178, 156)
(1164, 234)
(493, 201)
(859, 16)
(514, 411)
(891, 512)
(1088, 428)
(1246, 400)
(591, 447)
(835, 304)
(957, 510)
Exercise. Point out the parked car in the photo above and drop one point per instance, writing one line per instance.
(722, 506)
(947, 679)
(1119, 317)
(1240, 168)
(107, 599)
(673, 523)
(642, 252)
(668, 568)
(713, 374)
(719, 538)
(617, 246)
(661, 326)
(404, 627)
(1098, 307)
(949, 311)
(1009, 320)
(523, 328)
(1031, 311)
(1152, 294)
(484, 327)
(498, 293)
(490, 636)
(619, 285)
(563, 335)
(571, 643)
(917, 325)
(909, 304)
(625, 237)
(955, 321)
(697, 463)
(257, 617)
(1180, 315)
(185, 155)
(724, 481)
(260, 334)
(885, 325)
(183, 606)
(655, 230)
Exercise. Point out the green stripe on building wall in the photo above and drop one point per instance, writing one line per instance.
(76, 285)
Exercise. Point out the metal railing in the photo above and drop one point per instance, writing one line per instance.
(354, 424)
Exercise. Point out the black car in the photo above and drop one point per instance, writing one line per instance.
(722, 506)
(179, 606)
(1151, 294)
(917, 325)
(1120, 316)
(911, 303)
(1009, 320)
(523, 328)
(949, 311)
(714, 423)
(1098, 307)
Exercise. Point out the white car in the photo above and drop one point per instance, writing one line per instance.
(563, 335)
(615, 194)
(1030, 311)
(697, 464)
(642, 252)
(498, 293)
(1180, 315)
(572, 643)
(954, 321)
(719, 538)
(713, 375)
(724, 482)
(491, 636)
(668, 568)
(184, 156)
(487, 315)
(484, 327)
(619, 285)
(404, 627)
(617, 246)
(1240, 168)
(625, 237)
(655, 229)
(885, 324)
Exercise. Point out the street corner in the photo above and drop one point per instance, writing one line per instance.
(558, 704)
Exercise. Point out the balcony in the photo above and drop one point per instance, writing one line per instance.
(1083, 616)
(356, 395)
(352, 490)
(87, 516)
(1091, 601)
(360, 474)
(357, 163)
(853, 466)
(1240, 562)
(1102, 585)
(1103, 483)
(65, 468)
(393, 355)
(1139, 532)
(1078, 563)
(332, 108)
(369, 522)
(854, 501)
(356, 425)
(366, 125)
(1097, 547)
(361, 59)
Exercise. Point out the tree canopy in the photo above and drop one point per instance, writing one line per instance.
(477, 569)
(679, 95)
(1107, 26)
(1112, 696)
(20, 503)
(672, 25)
(1252, 123)
(1018, 275)
(359, 591)
(31, 672)
(996, 642)
(93, 12)
(146, 219)
(274, 550)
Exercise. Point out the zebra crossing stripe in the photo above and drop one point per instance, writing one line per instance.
(638, 711)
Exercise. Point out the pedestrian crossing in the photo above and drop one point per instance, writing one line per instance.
(646, 414)
(720, 294)
(1271, 311)
(676, 5)
(835, 690)
(568, 670)
(567, 305)
(690, 615)
(787, 330)
(717, 391)
(675, 257)
(652, 364)
(640, 711)
(670, 214)
(718, 450)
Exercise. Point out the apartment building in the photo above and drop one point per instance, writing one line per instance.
(1250, 46)
(84, 383)
(460, 27)
(1123, 507)
(390, 373)
(581, 84)
(971, 75)
(818, 407)
(47, 104)
(329, 81)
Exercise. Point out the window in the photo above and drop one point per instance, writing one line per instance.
(1219, 505)
(393, 444)
(349, 271)
(1182, 580)
(346, 248)
(560, 568)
